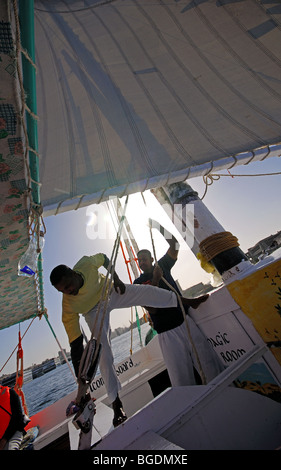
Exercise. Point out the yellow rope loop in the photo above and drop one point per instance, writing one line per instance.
(209, 180)
(217, 243)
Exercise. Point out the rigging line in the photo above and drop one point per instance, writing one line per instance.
(121, 244)
(128, 238)
(33, 200)
(256, 174)
(56, 338)
(129, 242)
(130, 262)
(63, 353)
(107, 286)
(111, 216)
(210, 178)
(29, 127)
(17, 344)
(127, 262)
(203, 377)
(133, 243)
(22, 97)
(50, 326)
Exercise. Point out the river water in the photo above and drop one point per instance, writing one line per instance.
(50, 387)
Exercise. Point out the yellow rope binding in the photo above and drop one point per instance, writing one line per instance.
(216, 244)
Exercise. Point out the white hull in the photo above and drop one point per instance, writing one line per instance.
(212, 417)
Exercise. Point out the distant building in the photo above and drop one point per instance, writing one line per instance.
(40, 369)
(62, 357)
(27, 375)
(37, 371)
(9, 380)
(264, 247)
(48, 364)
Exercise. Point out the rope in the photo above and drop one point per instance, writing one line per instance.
(35, 210)
(108, 285)
(22, 96)
(127, 263)
(131, 261)
(202, 374)
(217, 243)
(59, 345)
(36, 223)
(17, 345)
(19, 376)
(210, 178)
(63, 353)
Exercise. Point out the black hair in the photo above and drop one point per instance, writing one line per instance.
(58, 273)
(144, 251)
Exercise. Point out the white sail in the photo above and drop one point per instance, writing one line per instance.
(138, 94)
(130, 95)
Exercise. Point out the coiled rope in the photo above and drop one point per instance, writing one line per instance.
(217, 243)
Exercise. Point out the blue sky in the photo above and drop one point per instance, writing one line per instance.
(249, 207)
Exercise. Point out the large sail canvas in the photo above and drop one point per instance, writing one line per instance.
(132, 95)
(135, 94)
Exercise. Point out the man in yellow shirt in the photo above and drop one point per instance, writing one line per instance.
(82, 289)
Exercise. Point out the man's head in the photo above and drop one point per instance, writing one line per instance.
(145, 261)
(65, 280)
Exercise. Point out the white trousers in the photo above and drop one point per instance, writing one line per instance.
(179, 356)
(135, 295)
